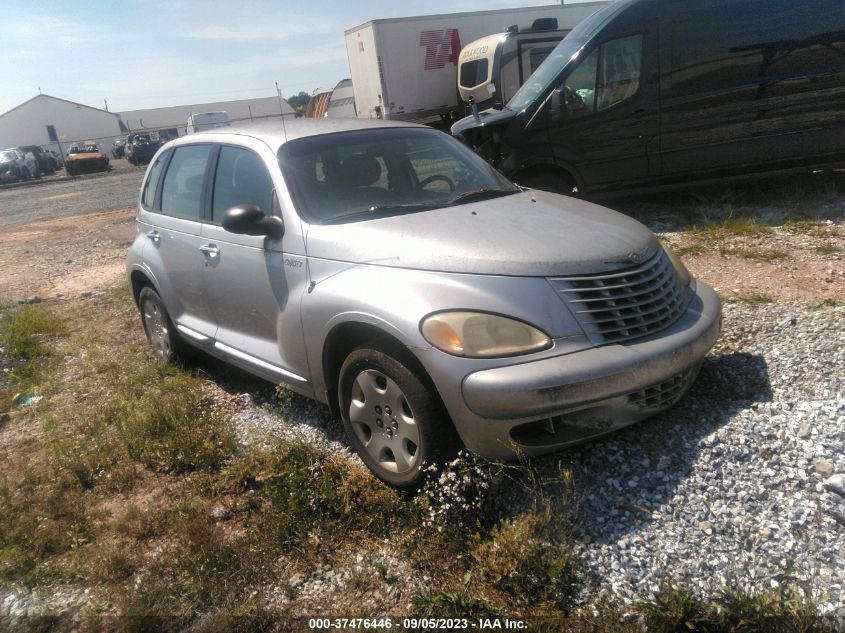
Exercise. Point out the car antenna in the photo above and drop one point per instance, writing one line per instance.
(281, 112)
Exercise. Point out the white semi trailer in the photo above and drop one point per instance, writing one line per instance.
(405, 68)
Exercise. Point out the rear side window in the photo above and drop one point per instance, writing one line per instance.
(150, 187)
(181, 193)
(241, 178)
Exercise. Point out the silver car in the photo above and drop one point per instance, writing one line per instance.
(387, 271)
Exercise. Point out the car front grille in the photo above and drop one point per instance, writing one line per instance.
(663, 394)
(626, 304)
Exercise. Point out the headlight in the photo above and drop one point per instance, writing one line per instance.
(481, 335)
(678, 265)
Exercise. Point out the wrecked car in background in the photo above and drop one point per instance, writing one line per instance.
(15, 165)
(85, 159)
(140, 148)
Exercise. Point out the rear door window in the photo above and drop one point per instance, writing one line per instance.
(151, 185)
(181, 193)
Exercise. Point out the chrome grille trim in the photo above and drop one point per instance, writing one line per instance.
(626, 304)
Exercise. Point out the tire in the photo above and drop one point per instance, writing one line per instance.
(548, 181)
(392, 419)
(162, 335)
(25, 175)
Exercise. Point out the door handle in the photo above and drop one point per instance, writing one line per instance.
(154, 236)
(210, 249)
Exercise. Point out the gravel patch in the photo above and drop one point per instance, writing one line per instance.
(740, 484)
(737, 484)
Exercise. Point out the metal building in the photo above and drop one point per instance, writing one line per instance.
(48, 121)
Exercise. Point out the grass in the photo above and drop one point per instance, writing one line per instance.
(812, 228)
(755, 299)
(828, 249)
(761, 254)
(720, 238)
(129, 479)
(676, 608)
(24, 332)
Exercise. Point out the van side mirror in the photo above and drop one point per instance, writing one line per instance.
(557, 106)
(248, 219)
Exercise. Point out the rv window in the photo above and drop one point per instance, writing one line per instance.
(474, 73)
(619, 72)
(537, 55)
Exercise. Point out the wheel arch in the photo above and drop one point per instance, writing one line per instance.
(548, 170)
(138, 280)
(344, 337)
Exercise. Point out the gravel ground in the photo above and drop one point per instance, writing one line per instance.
(727, 488)
(48, 200)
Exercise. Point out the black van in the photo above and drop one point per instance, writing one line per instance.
(655, 92)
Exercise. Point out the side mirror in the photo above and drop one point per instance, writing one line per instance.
(248, 219)
(557, 105)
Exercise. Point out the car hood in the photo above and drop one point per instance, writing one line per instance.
(491, 116)
(526, 234)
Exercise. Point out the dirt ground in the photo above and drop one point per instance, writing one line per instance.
(804, 268)
(66, 257)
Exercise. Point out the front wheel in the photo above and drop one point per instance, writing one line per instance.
(393, 420)
(546, 180)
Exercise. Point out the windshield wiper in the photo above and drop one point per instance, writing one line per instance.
(479, 194)
(382, 210)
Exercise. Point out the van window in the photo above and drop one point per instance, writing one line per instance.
(579, 90)
(619, 72)
(149, 193)
(607, 76)
(181, 193)
(241, 178)
(474, 73)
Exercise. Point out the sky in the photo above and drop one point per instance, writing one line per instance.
(138, 54)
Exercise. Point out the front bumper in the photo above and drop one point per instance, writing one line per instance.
(540, 406)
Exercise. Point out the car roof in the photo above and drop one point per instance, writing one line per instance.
(275, 133)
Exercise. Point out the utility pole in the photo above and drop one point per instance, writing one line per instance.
(106, 103)
(279, 93)
(281, 111)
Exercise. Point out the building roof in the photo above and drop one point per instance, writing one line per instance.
(176, 116)
(44, 96)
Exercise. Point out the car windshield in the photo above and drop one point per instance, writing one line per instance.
(7, 156)
(142, 138)
(362, 174)
(92, 148)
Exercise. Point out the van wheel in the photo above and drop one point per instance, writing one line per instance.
(393, 421)
(166, 342)
(549, 181)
